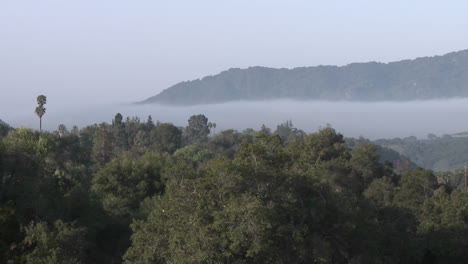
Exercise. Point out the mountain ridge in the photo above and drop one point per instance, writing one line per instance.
(436, 77)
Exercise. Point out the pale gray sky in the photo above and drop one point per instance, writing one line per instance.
(124, 51)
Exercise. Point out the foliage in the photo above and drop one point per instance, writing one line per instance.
(4, 129)
(227, 142)
(197, 129)
(166, 137)
(145, 192)
(124, 182)
(260, 208)
(9, 230)
(415, 188)
(61, 243)
(194, 154)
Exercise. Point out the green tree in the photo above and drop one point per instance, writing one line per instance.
(415, 188)
(10, 233)
(142, 140)
(149, 123)
(103, 144)
(444, 226)
(118, 129)
(197, 129)
(381, 192)
(4, 129)
(132, 127)
(227, 142)
(365, 166)
(325, 156)
(193, 153)
(166, 137)
(22, 170)
(246, 211)
(40, 109)
(125, 182)
(117, 120)
(61, 243)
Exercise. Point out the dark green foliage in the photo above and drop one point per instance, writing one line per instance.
(61, 243)
(445, 222)
(10, 234)
(23, 170)
(117, 120)
(4, 129)
(416, 187)
(166, 137)
(197, 129)
(124, 182)
(262, 207)
(103, 144)
(119, 133)
(194, 154)
(422, 78)
(399, 162)
(149, 123)
(132, 126)
(227, 142)
(133, 192)
(381, 192)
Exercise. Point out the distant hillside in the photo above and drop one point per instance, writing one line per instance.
(400, 162)
(446, 153)
(423, 78)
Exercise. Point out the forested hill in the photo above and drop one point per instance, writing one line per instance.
(4, 128)
(445, 153)
(420, 79)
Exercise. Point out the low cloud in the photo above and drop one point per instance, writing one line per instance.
(353, 119)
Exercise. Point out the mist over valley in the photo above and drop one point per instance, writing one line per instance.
(352, 119)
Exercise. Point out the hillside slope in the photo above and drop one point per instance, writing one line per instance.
(446, 153)
(420, 79)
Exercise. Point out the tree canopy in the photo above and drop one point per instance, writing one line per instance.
(151, 192)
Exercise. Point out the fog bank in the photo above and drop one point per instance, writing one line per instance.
(371, 120)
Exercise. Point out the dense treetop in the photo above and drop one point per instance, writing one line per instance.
(136, 191)
(423, 78)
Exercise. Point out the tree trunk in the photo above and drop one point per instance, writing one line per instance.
(40, 124)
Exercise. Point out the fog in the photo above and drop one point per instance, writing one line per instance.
(370, 120)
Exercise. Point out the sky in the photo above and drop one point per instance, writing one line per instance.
(125, 51)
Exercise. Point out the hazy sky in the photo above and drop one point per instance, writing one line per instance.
(124, 51)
